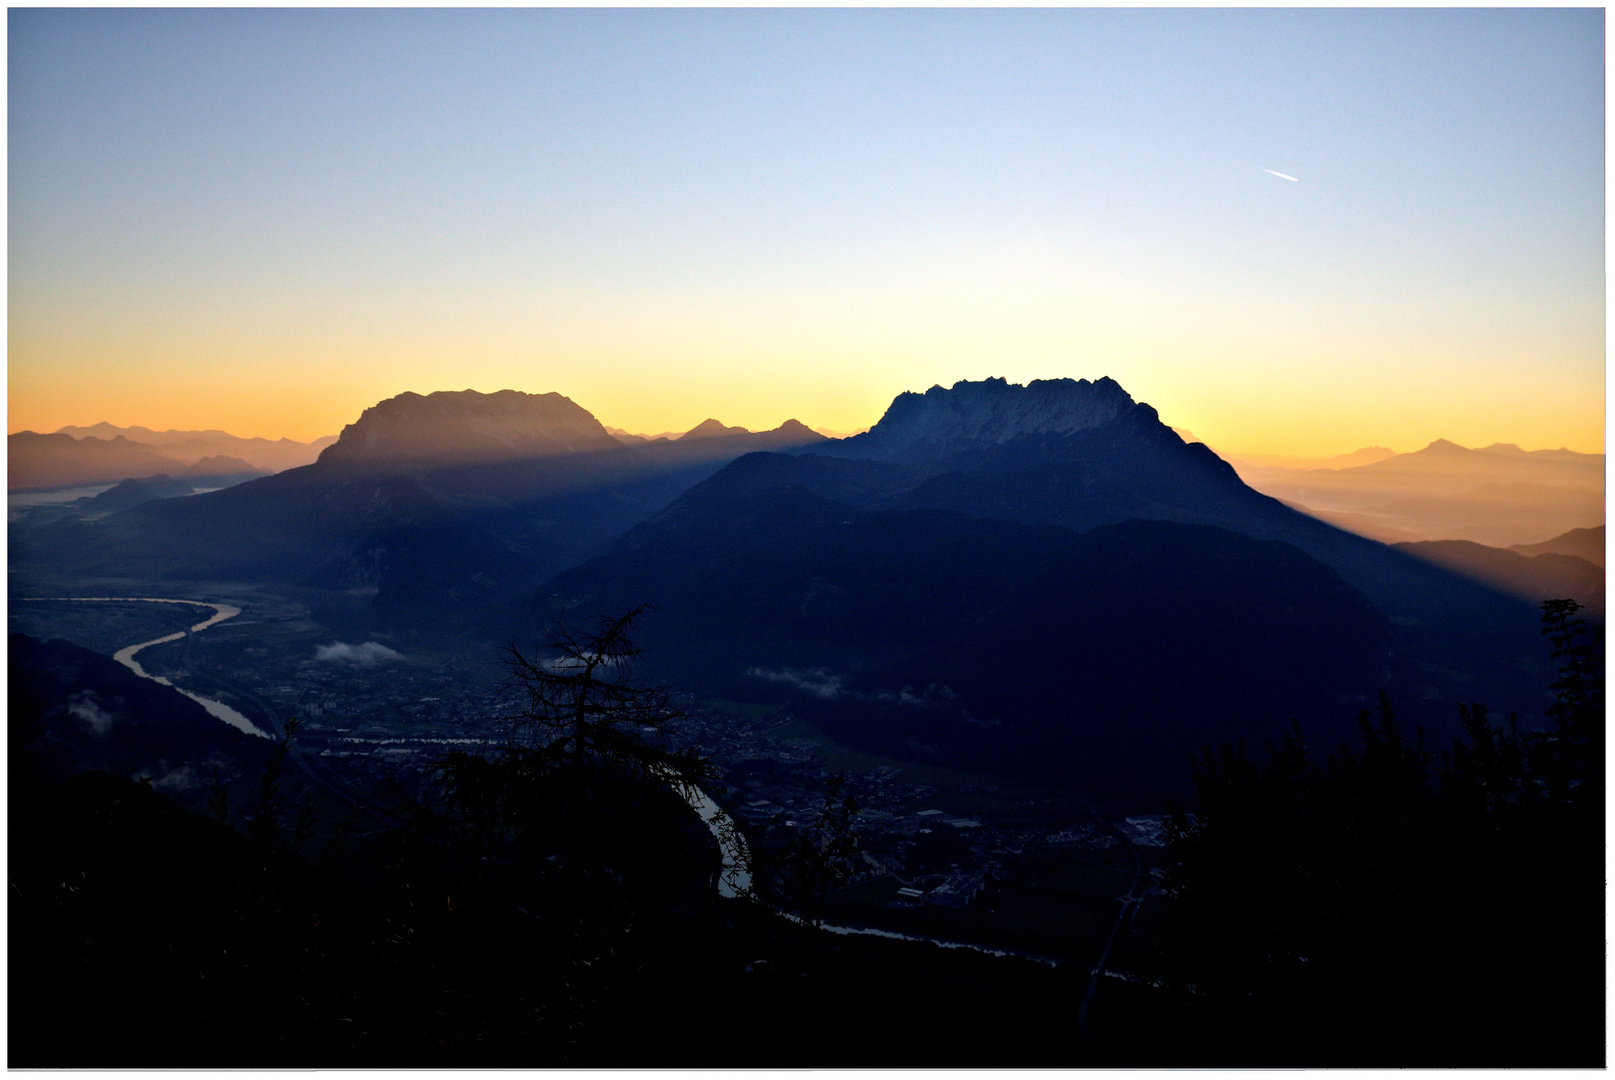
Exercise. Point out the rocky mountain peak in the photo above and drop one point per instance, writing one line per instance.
(712, 429)
(798, 430)
(991, 412)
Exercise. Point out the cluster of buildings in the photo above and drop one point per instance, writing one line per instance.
(367, 726)
(776, 784)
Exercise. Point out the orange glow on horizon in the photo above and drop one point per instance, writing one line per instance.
(1226, 421)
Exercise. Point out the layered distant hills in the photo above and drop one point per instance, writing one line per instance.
(271, 455)
(1498, 495)
(103, 454)
(38, 462)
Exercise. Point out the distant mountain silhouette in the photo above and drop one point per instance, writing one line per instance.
(412, 431)
(272, 455)
(1498, 495)
(1583, 543)
(137, 491)
(38, 462)
(709, 428)
(1366, 455)
(131, 493)
(221, 467)
(1081, 455)
(905, 556)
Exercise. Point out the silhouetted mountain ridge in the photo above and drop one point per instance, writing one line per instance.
(1544, 576)
(1583, 543)
(900, 630)
(132, 493)
(929, 426)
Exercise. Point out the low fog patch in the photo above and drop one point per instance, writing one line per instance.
(178, 781)
(370, 652)
(85, 707)
(816, 681)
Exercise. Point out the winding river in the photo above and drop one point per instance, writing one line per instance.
(126, 656)
(734, 879)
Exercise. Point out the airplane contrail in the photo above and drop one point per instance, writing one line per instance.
(1280, 175)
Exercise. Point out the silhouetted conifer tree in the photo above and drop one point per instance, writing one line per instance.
(1446, 910)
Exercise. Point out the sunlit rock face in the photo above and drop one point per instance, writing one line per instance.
(456, 427)
(988, 413)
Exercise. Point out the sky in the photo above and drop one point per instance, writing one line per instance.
(267, 220)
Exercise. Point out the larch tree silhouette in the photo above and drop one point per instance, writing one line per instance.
(584, 703)
(588, 776)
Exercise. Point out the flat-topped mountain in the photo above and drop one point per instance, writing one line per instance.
(494, 447)
(983, 414)
(463, 427)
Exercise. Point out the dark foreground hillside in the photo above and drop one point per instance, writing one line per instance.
(1382, 903)
(202, 949)
(1097, 660)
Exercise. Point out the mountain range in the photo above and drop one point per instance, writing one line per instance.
(1043, 579)
(270, 455)
(62, 460)
(40, 462)
(1077, 618)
